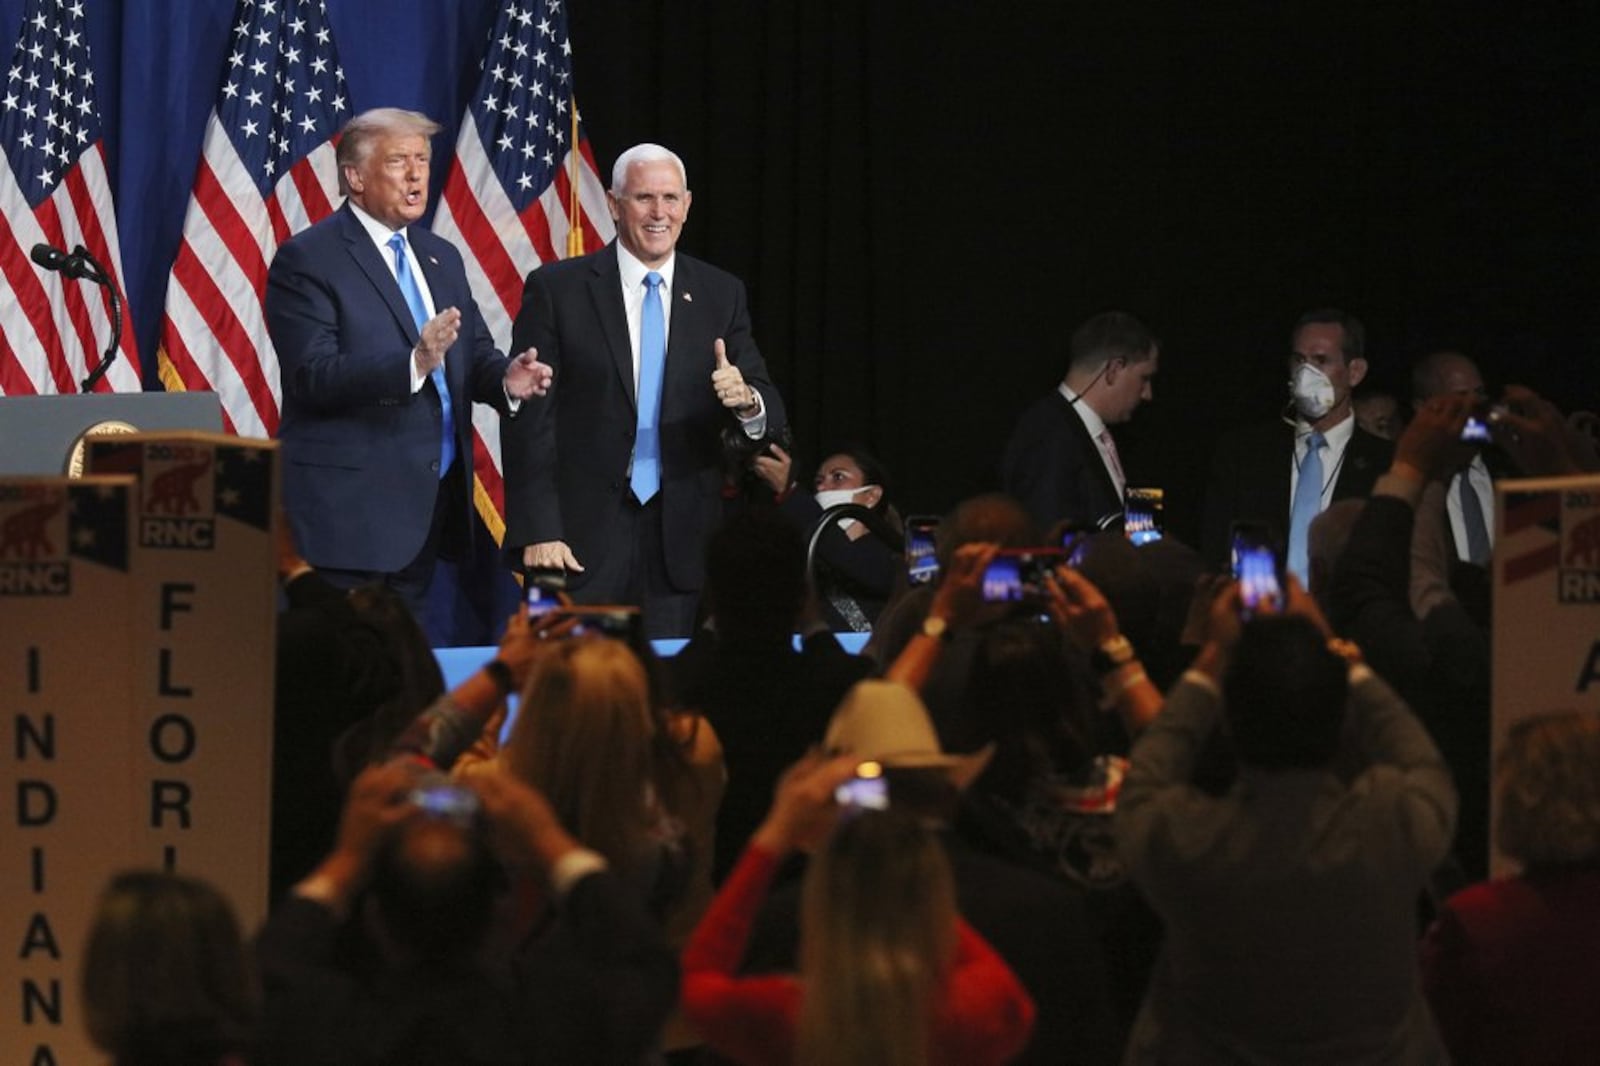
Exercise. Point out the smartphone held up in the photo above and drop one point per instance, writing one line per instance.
(1259, 569)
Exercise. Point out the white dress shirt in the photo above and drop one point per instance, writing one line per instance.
(380, 235)
(1338, 439)
(1477, 476)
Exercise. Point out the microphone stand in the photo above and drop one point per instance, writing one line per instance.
(100, 276)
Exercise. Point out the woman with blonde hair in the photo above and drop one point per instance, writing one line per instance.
(879, 914)
(586, 737)
(889, 973)
(1511, 967)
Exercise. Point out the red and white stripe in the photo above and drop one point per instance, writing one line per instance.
(53, 331)
(500, 248)
(214, 335)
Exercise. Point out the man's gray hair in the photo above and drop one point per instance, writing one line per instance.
(363, 131)
(644, 153)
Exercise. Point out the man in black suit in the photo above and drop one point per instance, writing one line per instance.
(1255, 469)
(616, 475)
(1061, 461)
(382, 353)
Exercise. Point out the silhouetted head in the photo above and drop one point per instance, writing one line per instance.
(166, 980)
(1285, 694)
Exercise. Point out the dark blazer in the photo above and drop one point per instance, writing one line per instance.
(566, 457)
(360, 449)
(1249, 481)
(1439, 665)
(593, 987)
(1053, 467)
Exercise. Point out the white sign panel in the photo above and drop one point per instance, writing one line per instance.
(65, 769)
(204, 623)
(1546, 604)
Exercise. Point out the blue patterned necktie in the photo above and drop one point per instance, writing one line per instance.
(1307, 502)
(646, 477)
(419, 312)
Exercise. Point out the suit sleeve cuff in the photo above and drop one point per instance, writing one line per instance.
(755, 426)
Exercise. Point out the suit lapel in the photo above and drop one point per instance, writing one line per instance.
(605, 293)
(1364, 459)
(443, 293)
(683, 331)
(370, 261)
(1283, 500)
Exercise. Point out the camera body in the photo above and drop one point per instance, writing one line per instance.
(1484, 415)
(1017, 575)
(442, 799)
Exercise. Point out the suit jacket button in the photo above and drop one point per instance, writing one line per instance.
(615, 486)
(434, 466)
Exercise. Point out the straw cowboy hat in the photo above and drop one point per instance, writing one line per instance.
(886, 722)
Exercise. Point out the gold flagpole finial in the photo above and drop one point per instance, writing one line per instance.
(574, 168)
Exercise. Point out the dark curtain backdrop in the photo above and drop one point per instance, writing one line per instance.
(926, 198)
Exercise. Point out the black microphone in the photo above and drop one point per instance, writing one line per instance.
(49, 256)
(80, 264)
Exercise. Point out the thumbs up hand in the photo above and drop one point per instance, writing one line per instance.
(729, 383)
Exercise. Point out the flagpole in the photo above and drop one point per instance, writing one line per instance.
(574, 209)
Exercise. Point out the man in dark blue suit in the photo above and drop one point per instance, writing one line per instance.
(382, 353)
(616, 476)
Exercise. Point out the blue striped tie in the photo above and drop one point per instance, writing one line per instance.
(419, 312)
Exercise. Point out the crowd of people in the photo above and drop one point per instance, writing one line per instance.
(1078, 827)
(1123, 807)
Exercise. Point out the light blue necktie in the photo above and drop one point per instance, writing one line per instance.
(1307, 502)
(1477, 529)
(646, 478)
(419, 312)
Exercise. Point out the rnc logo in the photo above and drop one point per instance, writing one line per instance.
(33, 541)
(1580, 549)
(178, 505)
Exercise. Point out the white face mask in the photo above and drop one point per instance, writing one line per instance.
(834, 497)
(1311, 392)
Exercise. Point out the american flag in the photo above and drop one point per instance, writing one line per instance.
(266, 173)
(509, 201)
(54, 190)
